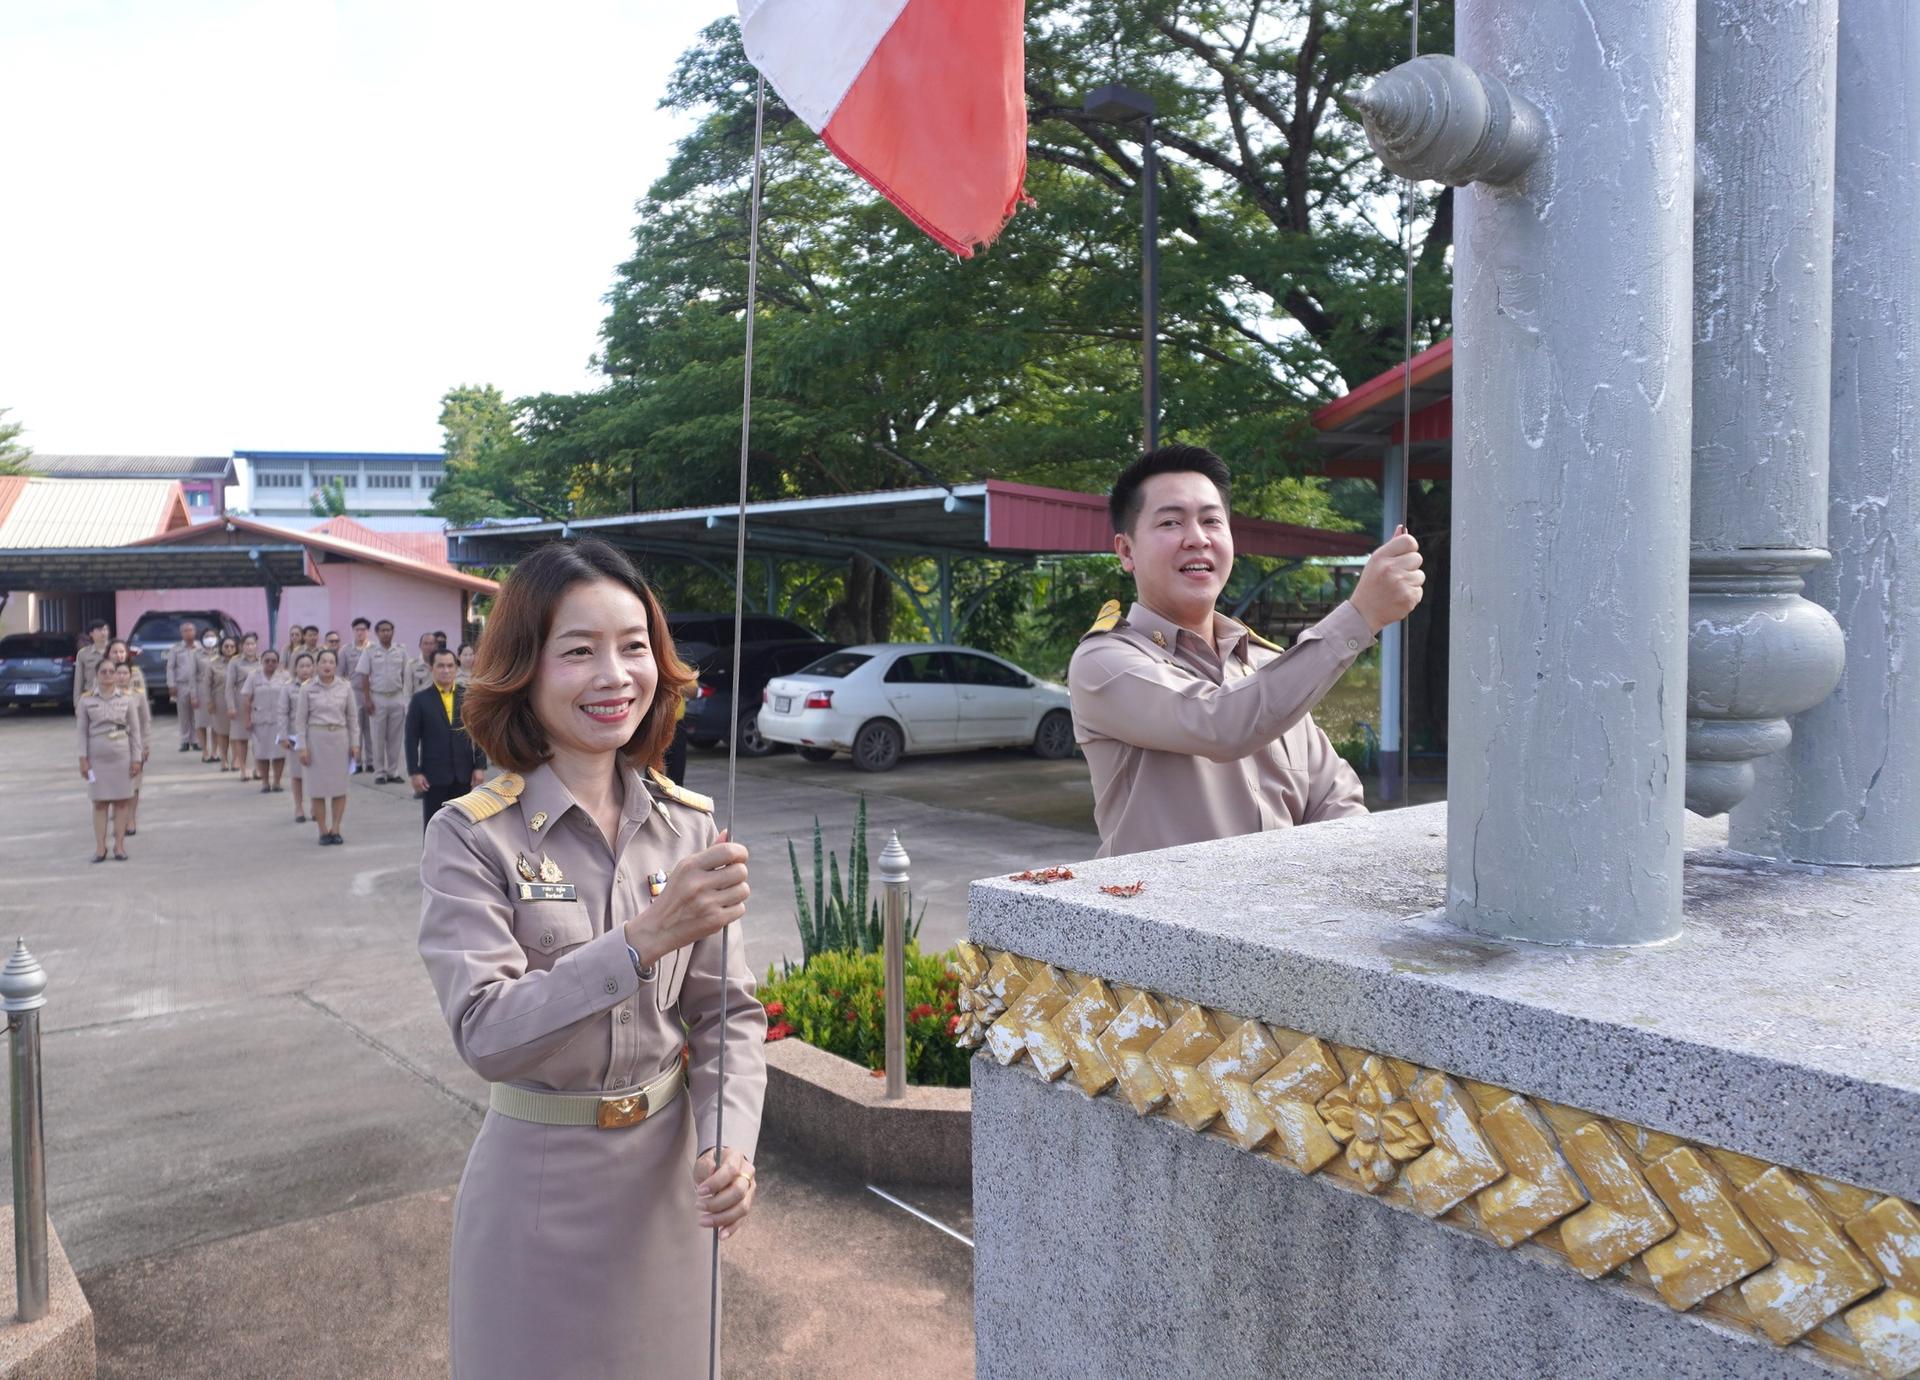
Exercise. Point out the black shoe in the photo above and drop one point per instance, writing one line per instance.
(101, 858)
(186, 747)
(339, 838)
(299, 819)
(325, 839)
(132, 832)
(266, 790)
(119, 857)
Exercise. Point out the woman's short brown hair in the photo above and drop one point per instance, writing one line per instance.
(498, 712)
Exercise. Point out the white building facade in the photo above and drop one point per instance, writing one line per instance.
(280, 484)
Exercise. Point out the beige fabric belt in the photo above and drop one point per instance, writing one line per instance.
(608, 1111)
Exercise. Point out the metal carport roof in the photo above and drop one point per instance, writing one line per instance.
(71, 569)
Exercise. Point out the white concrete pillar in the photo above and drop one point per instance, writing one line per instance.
(1848, 789)
(1572, 410)
(1758, 651)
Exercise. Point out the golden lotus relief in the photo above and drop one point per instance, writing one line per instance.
(1796, 1258)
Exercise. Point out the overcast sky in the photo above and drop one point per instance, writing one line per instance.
(292, 224)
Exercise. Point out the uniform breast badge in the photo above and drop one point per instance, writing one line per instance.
(656, 883)
(539, 818)
(545, 882)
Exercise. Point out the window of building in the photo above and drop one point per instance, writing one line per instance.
(279, 479)
(430, 479)
(343, 479)
(199, 498)
(389, 481)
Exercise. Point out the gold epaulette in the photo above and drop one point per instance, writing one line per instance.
(1260, 641)
(1108, 620)
(679, 794)
(490, 798)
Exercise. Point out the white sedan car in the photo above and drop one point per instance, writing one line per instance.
(885, 699)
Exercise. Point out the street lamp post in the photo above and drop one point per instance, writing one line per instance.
(1123, 105)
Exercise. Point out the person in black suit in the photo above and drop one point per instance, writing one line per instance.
(441, 759)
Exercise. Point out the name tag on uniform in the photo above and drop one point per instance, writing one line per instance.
(547, 891)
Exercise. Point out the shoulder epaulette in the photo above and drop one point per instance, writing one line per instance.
(490, 798)
(1260, 641)
(1108, 620)
(679, 794)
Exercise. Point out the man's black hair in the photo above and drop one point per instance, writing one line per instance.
(98, 623)
(361, 623)
(1123, 504)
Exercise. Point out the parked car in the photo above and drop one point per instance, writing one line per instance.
(710, 710)
(697, 636)
(883, 700)
(37, 668)
(155, 631)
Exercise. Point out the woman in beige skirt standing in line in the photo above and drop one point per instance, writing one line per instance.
(219, 714)
(296, 691)
(263, 709)
(326, 724)
(111, 751)
(239, 671)
(121, 655)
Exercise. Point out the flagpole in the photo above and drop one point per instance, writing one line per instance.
(733, 730)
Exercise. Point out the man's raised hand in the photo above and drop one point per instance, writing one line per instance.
(1390, 586)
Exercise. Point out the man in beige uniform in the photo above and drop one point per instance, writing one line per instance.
(380, 676)
(348, 670)
(86, 663)
(180, 673)
(1195, 728)
(420, 668)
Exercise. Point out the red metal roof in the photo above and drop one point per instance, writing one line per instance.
(1026, 517)
(430, 547)
(1357, 428)
(320, 544)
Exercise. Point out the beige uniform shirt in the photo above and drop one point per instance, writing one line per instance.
(419, 676)
(86, 669)
(180, 663)
(543, 993)
(382, 670)
(1187, 741)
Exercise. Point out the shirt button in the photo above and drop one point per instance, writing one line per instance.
(1353, 644)
(619, 876)
(612, 986)
(625, 1015)
(546, 937)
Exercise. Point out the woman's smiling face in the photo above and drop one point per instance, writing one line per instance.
(597, 675)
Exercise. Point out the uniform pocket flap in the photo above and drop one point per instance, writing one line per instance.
(550, 926)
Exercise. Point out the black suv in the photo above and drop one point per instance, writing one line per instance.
(37, 668)
(154, 632)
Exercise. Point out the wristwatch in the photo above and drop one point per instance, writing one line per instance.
(645, 974)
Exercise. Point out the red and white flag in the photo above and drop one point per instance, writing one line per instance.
(925, 99)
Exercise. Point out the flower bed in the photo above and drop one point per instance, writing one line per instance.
(837, 1003)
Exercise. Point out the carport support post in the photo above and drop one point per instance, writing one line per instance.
(1393, 492)
(945, 633)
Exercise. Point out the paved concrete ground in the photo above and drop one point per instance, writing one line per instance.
(255, 1114)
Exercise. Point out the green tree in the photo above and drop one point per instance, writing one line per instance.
(486, 473)
(14, 453)
(329, 500)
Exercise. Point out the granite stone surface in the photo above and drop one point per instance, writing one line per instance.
(1110, 1246)
(58, 1346)
(1784, 1022)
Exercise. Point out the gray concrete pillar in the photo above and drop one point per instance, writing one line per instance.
(1572, 411)
(1848, 790)
(1758, 651)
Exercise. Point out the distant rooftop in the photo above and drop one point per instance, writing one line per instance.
(217, 467)
(36, 511)
(335, 457)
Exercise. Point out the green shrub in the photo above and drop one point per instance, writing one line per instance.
(838, 1003)
(842, 916)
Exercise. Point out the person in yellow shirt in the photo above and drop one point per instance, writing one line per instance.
(441, 760)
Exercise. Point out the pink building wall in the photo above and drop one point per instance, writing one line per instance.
(351, 590)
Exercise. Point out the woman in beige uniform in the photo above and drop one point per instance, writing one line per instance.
(239, 671)
(121, 655)
(570, 920)
(296, 691)
(111, 751)
(263, 709)
(203, 663)
(219, 712)
(327, 723)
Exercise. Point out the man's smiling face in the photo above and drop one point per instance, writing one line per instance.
(1180, 551)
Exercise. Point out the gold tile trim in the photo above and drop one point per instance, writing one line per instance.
(1800, 1260)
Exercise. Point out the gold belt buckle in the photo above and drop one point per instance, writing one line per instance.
(616, 1112)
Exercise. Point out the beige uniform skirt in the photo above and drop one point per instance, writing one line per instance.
(327, 716)
(109, 732)
(559, 1229)
(219, 716)
(143, 707)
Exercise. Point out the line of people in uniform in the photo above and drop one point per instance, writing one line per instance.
(310, 717)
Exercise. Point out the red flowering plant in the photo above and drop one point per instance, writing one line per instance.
(838, 1003)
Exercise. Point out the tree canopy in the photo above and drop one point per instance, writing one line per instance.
(883, 361)
(14, 454)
